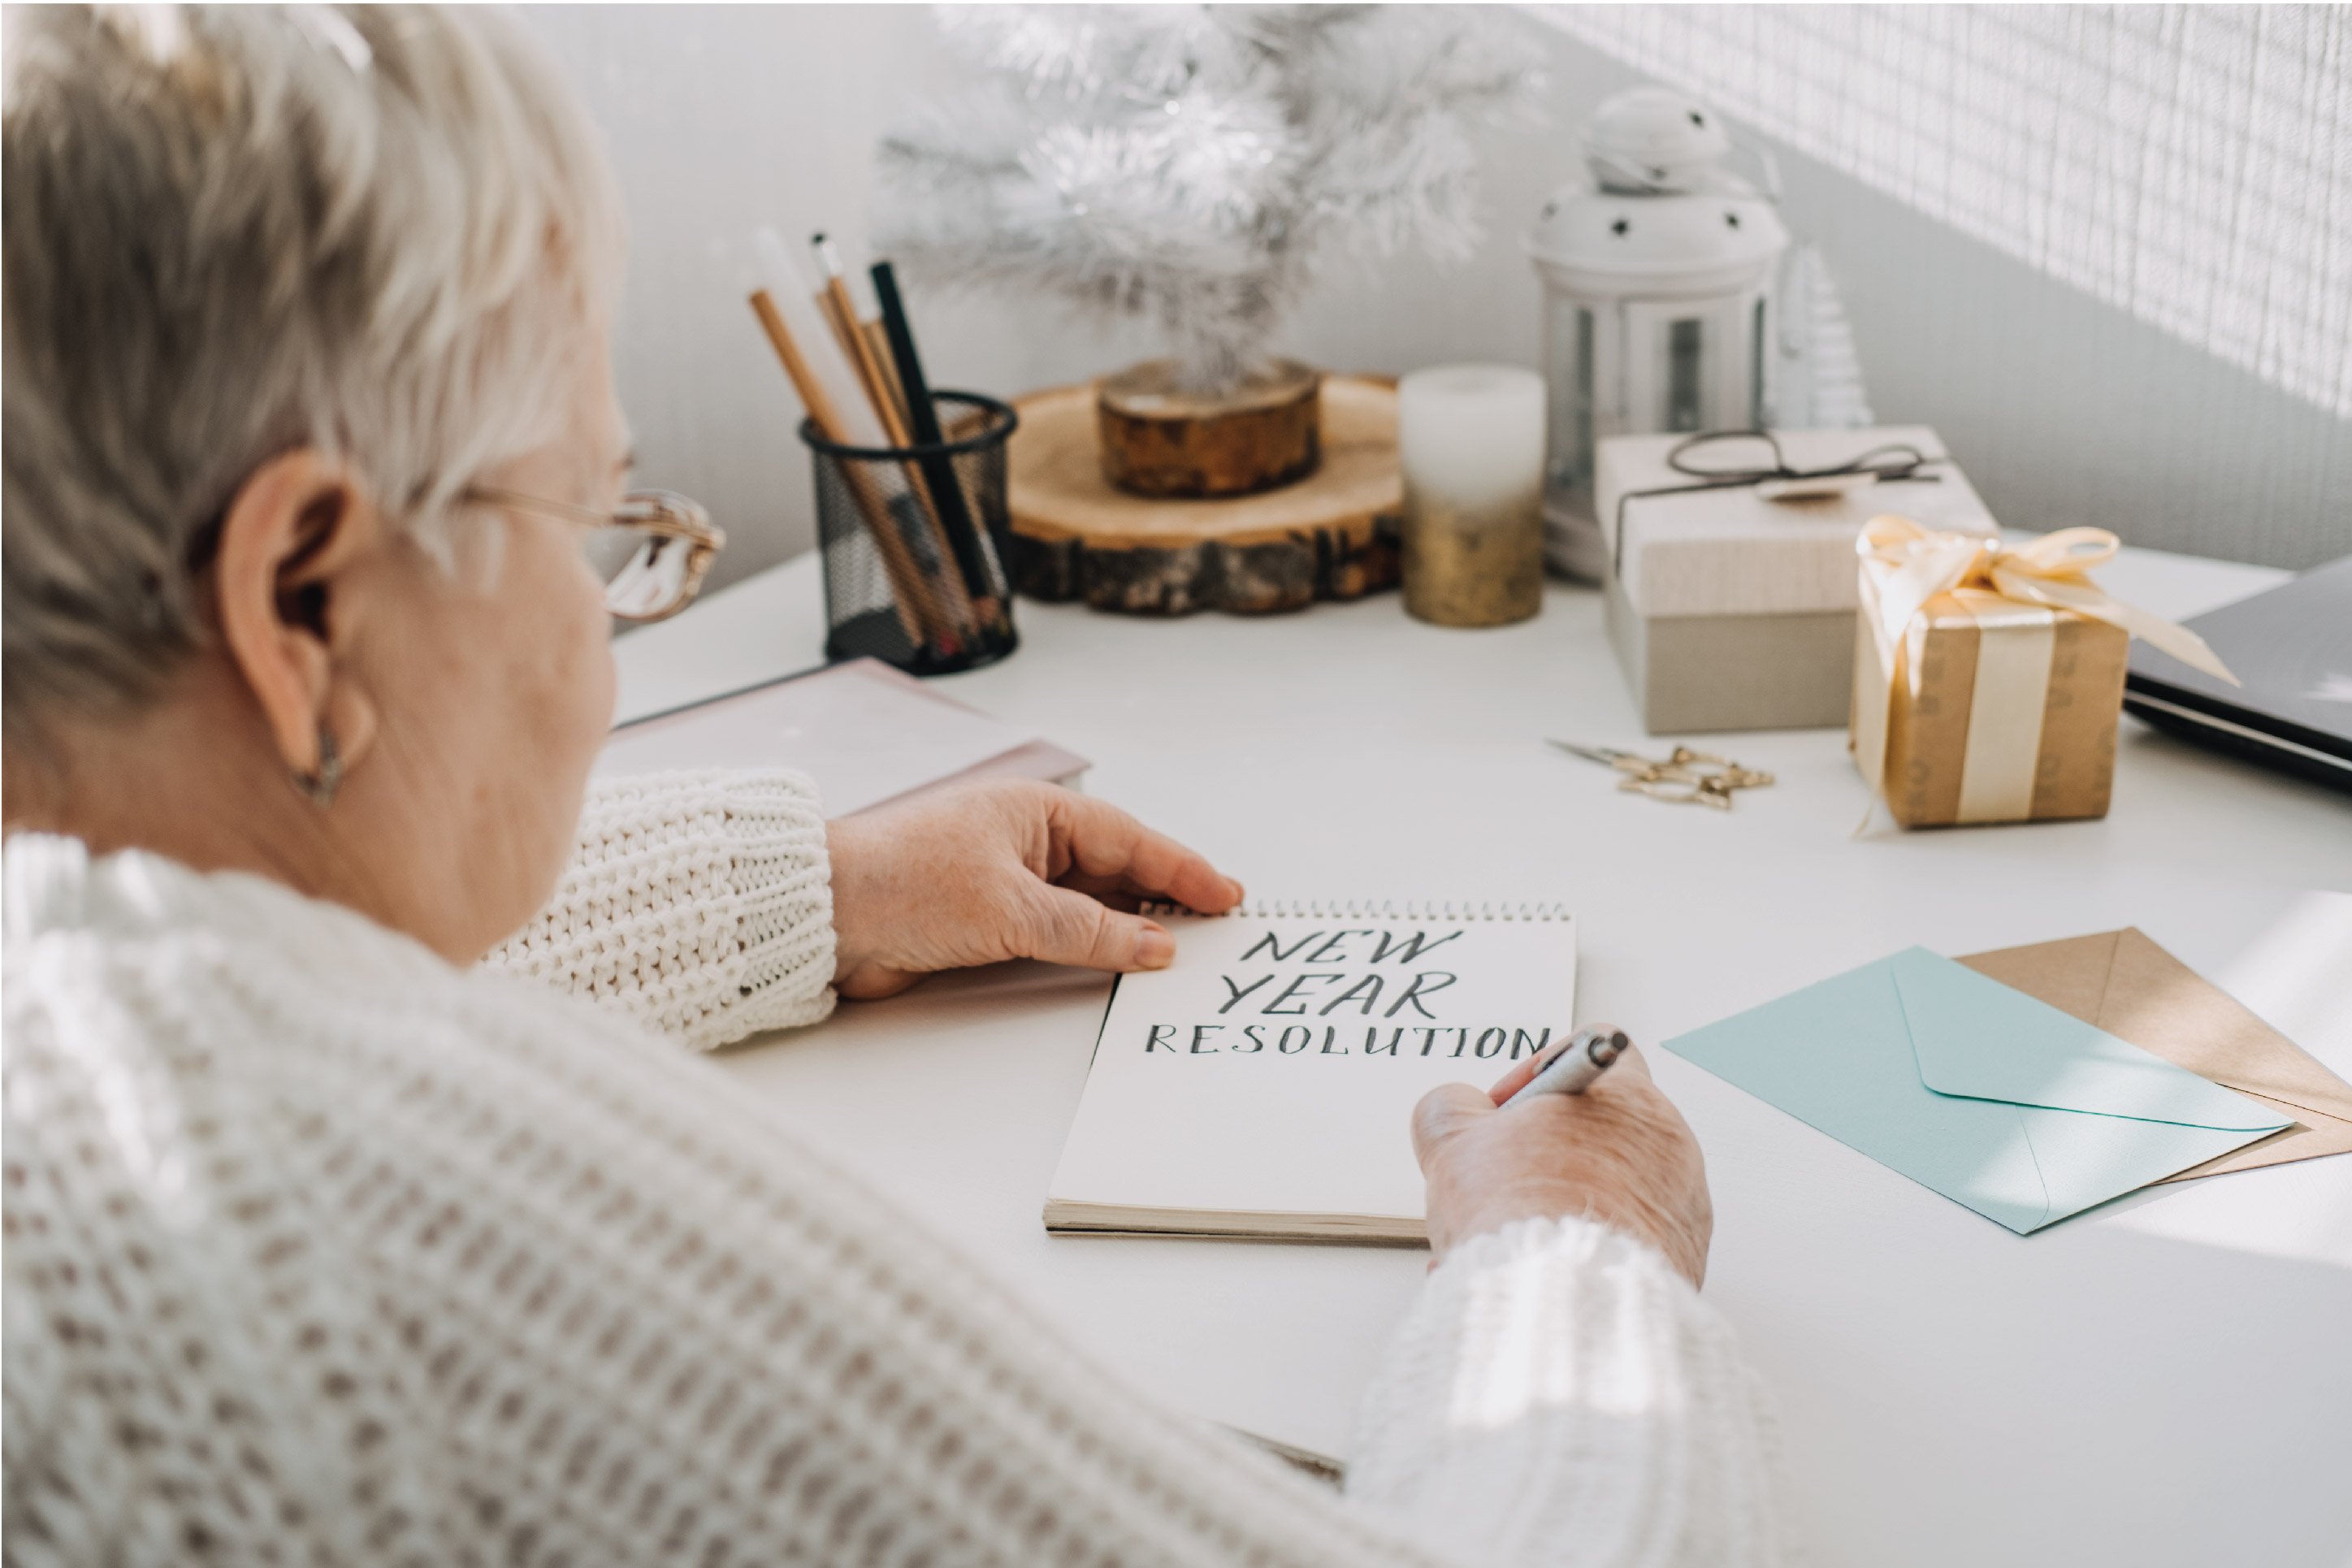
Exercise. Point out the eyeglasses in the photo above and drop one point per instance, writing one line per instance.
(651, 553)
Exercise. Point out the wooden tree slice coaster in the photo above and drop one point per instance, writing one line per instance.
(1332, 535)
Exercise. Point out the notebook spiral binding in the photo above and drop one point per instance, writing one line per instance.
(1372, 908)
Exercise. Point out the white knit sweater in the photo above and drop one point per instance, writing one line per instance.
(321, 1250)
(700, 904)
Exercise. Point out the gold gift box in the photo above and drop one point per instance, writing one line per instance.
(1995, 710)
(1989, 676)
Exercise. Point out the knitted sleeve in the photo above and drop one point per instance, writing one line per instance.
(1560, 1394)
(699, 904)
(335, 1257)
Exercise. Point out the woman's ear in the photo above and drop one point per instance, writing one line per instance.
(288, 544)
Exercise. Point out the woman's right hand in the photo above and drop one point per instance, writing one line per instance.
(1619, 1153)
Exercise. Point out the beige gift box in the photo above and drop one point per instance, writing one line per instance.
(1732, 611)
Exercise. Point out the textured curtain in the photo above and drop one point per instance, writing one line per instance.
(2189, 164)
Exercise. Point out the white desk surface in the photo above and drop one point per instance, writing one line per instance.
(2166, 1380)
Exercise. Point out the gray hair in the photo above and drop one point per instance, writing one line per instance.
(231, 231)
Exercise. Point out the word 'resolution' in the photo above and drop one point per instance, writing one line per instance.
(1246, 1039)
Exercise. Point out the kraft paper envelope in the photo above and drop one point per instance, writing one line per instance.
(1997, 1101)
(2127, 985)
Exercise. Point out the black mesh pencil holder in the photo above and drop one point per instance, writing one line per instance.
(914, 540)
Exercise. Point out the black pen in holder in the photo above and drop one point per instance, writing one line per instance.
(915, 542)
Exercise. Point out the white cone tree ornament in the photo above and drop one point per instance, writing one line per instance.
(1815, 382)
(1195, 166)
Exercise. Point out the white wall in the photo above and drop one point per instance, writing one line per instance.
(2063, 410)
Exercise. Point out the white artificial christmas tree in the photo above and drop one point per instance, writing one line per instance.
(1194, 166)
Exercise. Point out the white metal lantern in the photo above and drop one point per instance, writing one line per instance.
(1657, 268)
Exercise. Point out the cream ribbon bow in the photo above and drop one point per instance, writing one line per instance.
(1914, 564)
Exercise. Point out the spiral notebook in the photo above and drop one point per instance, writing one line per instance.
(1263, 1085)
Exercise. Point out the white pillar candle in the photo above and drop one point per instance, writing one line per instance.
(1470, 439)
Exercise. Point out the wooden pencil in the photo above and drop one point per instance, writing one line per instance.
(906, 593)
(878, 341)
(841, 312)
(968, 614)
(894, 510)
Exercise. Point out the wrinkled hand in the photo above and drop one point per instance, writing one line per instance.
(1005, 869)
(1619, 1153)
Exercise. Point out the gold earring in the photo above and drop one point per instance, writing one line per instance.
(319, 787)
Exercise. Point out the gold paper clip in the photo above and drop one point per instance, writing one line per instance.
(1684, 777)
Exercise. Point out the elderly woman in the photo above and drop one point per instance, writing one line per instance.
(356, 1209)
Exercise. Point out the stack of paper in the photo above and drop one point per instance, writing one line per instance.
(865, 732)
(2025, 1111)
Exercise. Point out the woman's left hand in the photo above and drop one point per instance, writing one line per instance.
(1005, 869)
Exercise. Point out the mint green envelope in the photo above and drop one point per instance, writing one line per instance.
(1993, 1098)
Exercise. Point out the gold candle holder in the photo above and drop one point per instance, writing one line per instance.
(1470, 439)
